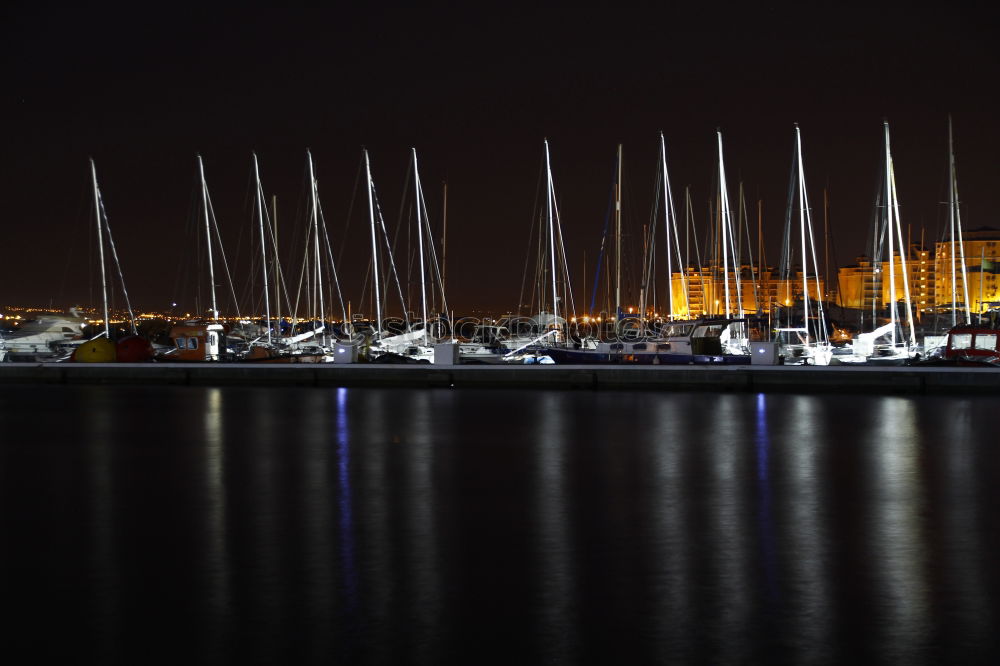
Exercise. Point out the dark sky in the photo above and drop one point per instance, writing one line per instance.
(475, 93)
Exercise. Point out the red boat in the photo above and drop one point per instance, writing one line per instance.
(973, 345)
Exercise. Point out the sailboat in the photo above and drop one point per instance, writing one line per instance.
(549, 340)
(965, 343)
(807, 343)
(894, 342)
(415, 344)
(270, 347)
(204, 339)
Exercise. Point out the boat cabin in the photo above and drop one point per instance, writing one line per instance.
(973, 343)
(198, 341)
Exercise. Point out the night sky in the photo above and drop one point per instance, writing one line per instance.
(475, 93)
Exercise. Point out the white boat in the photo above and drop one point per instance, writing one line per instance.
(46, 337)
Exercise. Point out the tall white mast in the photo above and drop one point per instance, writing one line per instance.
(902, 263)
(618, 236)
(805, 225)
(208, 236)
(951, 224)
(278, 276)
(318, 270)
(263, 250)
(802, 230)
(100, 248)
(670, 221)
(891, 232)
(726, 232)
(552, 236)
(666, 221)
(420, 241)
(375, 268)
(895, 229)
(955, 224)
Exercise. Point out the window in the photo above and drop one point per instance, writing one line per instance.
(192, 343)
(212, 340)
(986, 341)
(961, 340)
(180, 342)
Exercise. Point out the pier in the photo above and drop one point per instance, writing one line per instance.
(796, 379)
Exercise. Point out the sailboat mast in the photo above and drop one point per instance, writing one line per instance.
(552, 235)
(956, 231)
(318, 270)
(802, 230)
(100, 248)
(277, 276)
(444, 239)
(826, 243)
(951, 223)
(618, 236)
(208, 236)
(891, 233)
(667, 204)
(420, 242)
(375, 269)
(723, 223)
(902, 262)
(263, 247)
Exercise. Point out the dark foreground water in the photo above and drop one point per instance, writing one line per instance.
(350, 526)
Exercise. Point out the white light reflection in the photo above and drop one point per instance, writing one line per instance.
(557, 629)
(421, 531)
(726, 446)
(810, 601)
(217, 560)
(671, 539)
(898, 557)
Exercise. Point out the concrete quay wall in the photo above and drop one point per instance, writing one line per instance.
(798, 379)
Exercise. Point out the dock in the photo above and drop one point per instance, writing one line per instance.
(735, 378)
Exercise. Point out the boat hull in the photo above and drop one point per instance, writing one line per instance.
(589, 356)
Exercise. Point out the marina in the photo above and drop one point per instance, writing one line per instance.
(387, 335)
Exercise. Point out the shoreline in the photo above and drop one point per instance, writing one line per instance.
(737, 378)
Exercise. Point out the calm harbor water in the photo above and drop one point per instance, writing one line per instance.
(390, 526)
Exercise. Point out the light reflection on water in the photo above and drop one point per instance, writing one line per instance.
(669, 551)
(729, 528)
(806, 555)
(399, 526)
(894, 526)
(216, 570)
(556, 606)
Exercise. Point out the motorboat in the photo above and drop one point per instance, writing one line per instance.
(696, 342)
(46, 337)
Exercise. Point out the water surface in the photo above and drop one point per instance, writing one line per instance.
(393, 526)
